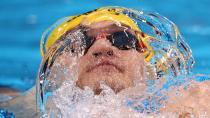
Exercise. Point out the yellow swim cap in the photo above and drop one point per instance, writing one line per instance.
(102, 14)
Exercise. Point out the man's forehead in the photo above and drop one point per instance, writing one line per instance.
(105, 27)
(101, 24)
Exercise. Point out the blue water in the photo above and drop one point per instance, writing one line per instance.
(22, 23)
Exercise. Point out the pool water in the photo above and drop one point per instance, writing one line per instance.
(22, 24)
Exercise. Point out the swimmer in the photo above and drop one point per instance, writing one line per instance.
(114, 51)
(111, 51)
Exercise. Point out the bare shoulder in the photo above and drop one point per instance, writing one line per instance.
(191, 100)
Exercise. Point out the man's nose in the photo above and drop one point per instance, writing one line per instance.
(103, 52)
(102, 48)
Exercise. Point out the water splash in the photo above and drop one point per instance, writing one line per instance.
(58, 95)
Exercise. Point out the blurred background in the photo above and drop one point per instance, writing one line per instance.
(23, 21)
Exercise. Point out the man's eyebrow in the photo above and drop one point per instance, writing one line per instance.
(111, 28)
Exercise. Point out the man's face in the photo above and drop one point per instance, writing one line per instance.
(104, 62)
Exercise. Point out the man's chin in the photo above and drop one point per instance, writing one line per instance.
(94, 81)
(105, 75)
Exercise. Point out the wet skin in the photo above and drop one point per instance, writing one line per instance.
(106, 63)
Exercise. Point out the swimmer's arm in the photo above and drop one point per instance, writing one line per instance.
(194, 100)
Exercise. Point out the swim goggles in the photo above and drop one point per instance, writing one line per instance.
(80, 39)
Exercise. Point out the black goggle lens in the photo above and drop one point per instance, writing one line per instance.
(122, 40)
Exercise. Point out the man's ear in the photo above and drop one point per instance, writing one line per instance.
(141, 65)
(149, 71)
